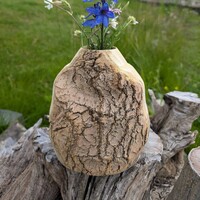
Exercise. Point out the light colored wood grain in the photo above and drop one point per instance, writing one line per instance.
(99, 118)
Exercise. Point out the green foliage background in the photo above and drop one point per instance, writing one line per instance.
(36, 43)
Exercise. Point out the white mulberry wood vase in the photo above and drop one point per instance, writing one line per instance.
(99, 120)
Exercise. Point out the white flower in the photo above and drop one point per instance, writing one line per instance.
(49, 4)
(114, 23)
(82, 17)
(133, 20)
(77, 32)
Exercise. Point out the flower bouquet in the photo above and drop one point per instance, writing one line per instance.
(100, 27)
(99, 121)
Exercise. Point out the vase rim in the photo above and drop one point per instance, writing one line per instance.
(86, 48)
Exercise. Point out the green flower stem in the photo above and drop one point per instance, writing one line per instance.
(94, 33)
(81, 39)
(88, 39)
(102, 37)
(77, 23)
(105, 37)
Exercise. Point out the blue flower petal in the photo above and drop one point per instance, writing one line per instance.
(105, 6)
(110, 14)
(87, 0)
(105, 21)
(99, 19)
(91, 23)
(115, 1)
(92, 10)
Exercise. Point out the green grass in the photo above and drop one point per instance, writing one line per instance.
(37, 43)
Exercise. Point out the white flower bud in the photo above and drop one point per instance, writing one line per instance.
(132, 20)
(82, 17)
(49, 4)
(114, 23)
(77, 33)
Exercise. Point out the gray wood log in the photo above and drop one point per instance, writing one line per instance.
(23, 175)
(187, 186)
(76, 185)
(172, 122)
(11, 135)
(120, 186)
(31, 170)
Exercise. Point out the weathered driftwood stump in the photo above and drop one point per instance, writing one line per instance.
(99, 120)
(188, 183)
(30, 169)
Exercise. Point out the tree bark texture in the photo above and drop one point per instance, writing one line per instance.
(31, 170)
(99, 120)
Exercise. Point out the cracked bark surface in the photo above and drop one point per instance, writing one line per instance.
(98, 116)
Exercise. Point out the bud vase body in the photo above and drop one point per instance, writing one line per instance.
(99, 120)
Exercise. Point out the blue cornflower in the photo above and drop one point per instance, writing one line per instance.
(104, 15)
(101, 15)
